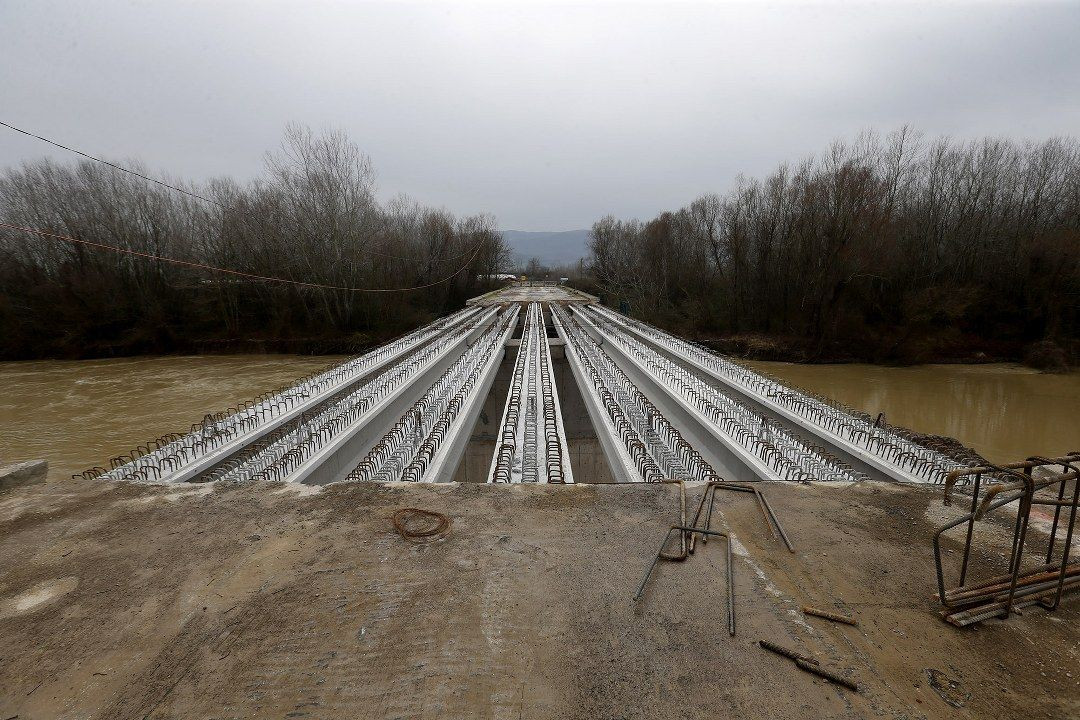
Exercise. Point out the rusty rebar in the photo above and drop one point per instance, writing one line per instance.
(809, 664)
(402, 518)
(771, 520)
(1000, 595)
(729, 569)
(835, 617)
(683, 546)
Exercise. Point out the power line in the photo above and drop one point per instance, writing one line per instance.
(113, 165)
(228, 271)
(189, 193)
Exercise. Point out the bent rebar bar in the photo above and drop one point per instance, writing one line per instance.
(729, 568)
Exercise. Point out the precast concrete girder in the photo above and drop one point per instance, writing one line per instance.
(425, 442)
(633, 429)
(623, 467)
(728, 458)
(661, 408)
(875, 451)
(736, 437)
(531, 446)
(326, 447)
(217, 439)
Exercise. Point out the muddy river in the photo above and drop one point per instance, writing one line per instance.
(1006, 412)
(78, 414)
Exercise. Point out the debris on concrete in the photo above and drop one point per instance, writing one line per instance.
(809, 664)
(835, 617)
(527, 613)
(1018, 489)
(948, 689)
(420, 526)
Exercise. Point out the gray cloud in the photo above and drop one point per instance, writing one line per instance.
(548, 116)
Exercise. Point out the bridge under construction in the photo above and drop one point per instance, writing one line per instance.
(539, 507)
(535, 384)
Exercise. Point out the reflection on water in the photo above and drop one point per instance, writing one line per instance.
(1005, 412)
(77, 414)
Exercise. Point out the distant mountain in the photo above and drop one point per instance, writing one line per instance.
(553, 248)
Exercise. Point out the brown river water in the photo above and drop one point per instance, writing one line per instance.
(1005, 412)
(77, 414)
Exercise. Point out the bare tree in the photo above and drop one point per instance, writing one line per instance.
(313, 218)
(873, 242)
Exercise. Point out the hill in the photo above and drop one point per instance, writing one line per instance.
(553, 248)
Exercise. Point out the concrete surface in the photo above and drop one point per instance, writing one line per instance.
(18, 474)
(121, 601)
(532, 292)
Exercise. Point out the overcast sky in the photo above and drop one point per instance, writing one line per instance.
(548, 116)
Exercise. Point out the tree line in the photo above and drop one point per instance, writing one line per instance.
(880, 249)
(311, 218)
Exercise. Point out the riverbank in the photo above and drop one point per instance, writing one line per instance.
(1044, 356)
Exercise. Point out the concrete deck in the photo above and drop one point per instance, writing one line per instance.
(533, 292)
(123, 601)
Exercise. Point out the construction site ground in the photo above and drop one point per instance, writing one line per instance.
(271, 601)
